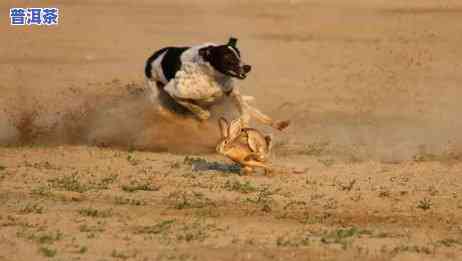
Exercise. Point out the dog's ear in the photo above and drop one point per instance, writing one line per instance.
(204, 52)
(232, 42)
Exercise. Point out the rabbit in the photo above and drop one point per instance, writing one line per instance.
(245, 146)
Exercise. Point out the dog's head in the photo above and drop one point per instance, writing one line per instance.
(226, 59)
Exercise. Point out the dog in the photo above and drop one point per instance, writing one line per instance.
(197, 77)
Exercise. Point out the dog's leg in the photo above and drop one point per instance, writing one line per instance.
(151, 86)
(248, 111)
(196, 109)
(182, 93)
(263, 118)
(241, 105)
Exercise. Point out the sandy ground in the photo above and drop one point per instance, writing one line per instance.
(370, 168)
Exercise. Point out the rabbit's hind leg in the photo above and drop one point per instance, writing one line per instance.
(254, 163)
(246, 170)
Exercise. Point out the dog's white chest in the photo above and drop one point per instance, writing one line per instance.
(198, 82)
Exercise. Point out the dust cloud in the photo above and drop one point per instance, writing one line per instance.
(127, 120)
(122, 115)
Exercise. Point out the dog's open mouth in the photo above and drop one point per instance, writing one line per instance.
(237, 75)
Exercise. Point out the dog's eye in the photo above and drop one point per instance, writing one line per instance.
(229, 61)
(229, 57)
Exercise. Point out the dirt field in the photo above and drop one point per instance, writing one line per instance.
(370, 168)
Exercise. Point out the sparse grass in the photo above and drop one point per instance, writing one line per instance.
(293, 209)
(315, 219)
(298, 241)
(449, 242)
(48, 238)
(384, 192)
(69, 183)
(291, 204)
(82, 250)
(184, 219)
(136, 186)
(314, 149)
(41, 165)
(95, 213)
(171, 230)
(129, 201)
(2, 172)
(90, 229)
(412, 248)
(423, 155)
(31, 208)
(188, 200)
(119, 255)
(48, 252)
(73, 183)
(175, 256)
(43, 190)
(105, 182)
(424, 204)
(432, 190)
(383, 235)
(311, 181)
(342, 236)
(347, 187)
(327, 162)
(175, 165)
(132, 160)
(331, 203)
(242, 187)
(356, 197)
(264, 199)
(44, 237)
(195, 231)
(158, 228)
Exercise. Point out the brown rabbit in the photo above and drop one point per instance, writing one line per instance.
(245, 146)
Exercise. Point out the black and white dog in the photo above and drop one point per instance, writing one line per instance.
(196, 77)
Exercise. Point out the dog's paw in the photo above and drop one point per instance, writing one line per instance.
(281, 125)
(203, 115)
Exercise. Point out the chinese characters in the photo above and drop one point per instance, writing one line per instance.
(34, 16)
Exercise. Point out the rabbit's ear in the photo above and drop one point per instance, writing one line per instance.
(223, 124)
(235, 128)
(255, 139)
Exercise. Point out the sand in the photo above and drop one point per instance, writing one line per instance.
(370, 168)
